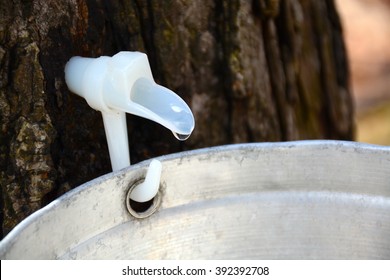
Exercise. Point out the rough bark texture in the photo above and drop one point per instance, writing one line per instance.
(262, 70)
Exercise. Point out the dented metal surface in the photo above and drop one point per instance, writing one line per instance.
(293, 200)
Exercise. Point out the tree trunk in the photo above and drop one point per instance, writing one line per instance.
(261, 70)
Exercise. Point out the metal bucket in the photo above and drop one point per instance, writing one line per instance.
(293, 200)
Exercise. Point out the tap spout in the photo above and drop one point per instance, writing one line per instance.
(123, 84)
(157, 103)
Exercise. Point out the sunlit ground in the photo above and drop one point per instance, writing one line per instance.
(373, 126)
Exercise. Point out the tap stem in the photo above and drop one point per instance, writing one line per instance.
(117, 140)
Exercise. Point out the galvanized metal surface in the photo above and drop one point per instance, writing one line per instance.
(293, 200)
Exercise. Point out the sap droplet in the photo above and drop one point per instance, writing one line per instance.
(181, 137)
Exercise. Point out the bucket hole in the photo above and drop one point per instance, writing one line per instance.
(142, 210)
(141, 207)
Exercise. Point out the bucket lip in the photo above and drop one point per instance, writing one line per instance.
(12, 236)
(313, 144)
(272, 145)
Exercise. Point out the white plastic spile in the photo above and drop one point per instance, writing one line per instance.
(124, 84)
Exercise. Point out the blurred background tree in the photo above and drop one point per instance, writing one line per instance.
(254, 70)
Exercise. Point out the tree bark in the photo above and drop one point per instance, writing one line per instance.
(261, 70)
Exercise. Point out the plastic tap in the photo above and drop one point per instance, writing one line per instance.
(124, 84)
